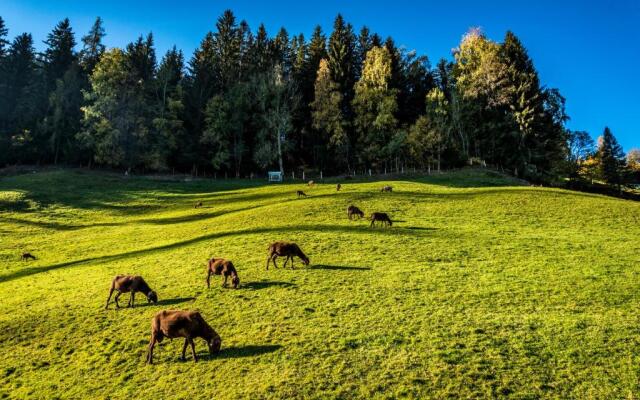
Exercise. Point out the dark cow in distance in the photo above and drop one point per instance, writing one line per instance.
(221, 266)
(130, 284)
(187, 324)
(285, 249)
(353, 211)
(27, 256)
(380, 217)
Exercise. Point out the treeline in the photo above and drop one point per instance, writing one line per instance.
(246, 102)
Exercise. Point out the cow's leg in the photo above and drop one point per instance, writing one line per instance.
(273, 258)
(224, 282)
(116, 299)
(109, 298)
(208, 278)
(132, 299)
(193, 350)
(184, 349)
(269, 260)
(291, 262)
(152, 344)
(286, 260)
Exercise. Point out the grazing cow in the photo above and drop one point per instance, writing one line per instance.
(27, 256)
(220, 266)
(133, 284)
(311, 184)
(301, 194)
(353, 210)
(386, 189)
(380, 217)
(198, 205)
(285, 249)
(338, 187)
(187, 324)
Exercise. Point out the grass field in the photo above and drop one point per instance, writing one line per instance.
(481, 289)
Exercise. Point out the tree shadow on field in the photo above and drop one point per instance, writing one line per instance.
(419, 228)
(241, 351)
(279, 230)
(266, 284)
(170, 302)
(339, 268)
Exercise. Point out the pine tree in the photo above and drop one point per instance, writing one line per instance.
(60, 53)
(227, 47)
(4, 95)
(26, 90)
(200, 85)
(611, 159)
(92, 48)
(168, 122)
(261, 58)
(282, 51)
(141, 60)
(4, 43)
(341, 58)
(62, 122)
(363, 45)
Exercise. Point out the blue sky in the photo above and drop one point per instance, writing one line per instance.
(589, 50)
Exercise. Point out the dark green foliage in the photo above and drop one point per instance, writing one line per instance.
(611, 159)
(92, 47)
(248, 102)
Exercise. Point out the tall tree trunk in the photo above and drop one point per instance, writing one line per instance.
(280, 151)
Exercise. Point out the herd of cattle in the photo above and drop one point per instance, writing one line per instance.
(190, 324)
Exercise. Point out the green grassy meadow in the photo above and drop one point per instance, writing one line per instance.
(483, 288)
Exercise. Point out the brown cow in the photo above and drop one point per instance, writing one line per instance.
(380, 217)
(187, 324)
(386, 189)
(353, 210)
(27, 257)
(338, 187)
(301, 194)
(133, 284)
(198, 205)
(220, 266)
(285, 249)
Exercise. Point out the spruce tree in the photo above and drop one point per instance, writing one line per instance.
(60, 53)
(341, 58)
(4, 43)
(4, 99)
(227, 47)
(92, 46)
(26, 91)
(611, 159)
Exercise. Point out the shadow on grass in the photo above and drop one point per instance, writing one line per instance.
(275, 230)
(240, 352)
(266, 284)
(339, 268)
(14, 206)
(171, 302)
(419, 228)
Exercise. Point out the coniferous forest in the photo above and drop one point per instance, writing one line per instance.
(247, 101)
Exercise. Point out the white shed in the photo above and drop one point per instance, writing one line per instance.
(275, 176)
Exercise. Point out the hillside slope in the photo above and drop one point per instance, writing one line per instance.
(480, 289)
